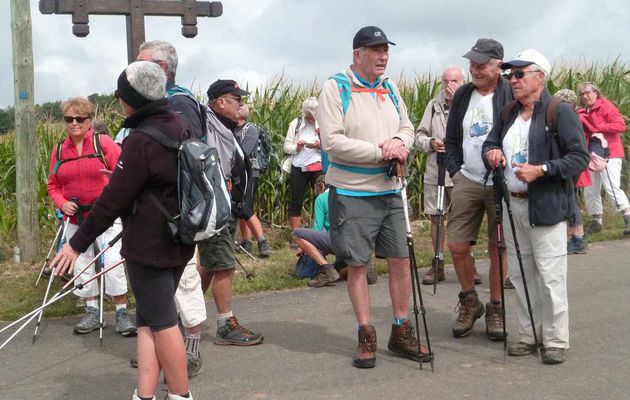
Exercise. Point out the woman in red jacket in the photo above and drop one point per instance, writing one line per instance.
(75, 181)
(599, 115)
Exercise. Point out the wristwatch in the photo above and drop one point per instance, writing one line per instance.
(545, 168)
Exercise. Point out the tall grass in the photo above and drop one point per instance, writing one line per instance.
(273, 108)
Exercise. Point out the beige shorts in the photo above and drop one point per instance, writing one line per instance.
(470, 201)
(431, 199)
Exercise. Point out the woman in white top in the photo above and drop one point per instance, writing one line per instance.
(303, 159)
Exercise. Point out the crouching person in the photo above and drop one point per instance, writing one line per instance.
(539, 166)
(154, 261)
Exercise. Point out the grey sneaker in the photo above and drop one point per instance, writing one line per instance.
(89, 322)
(263, 248)
(327, 275)
(626, 219)
(245, 244)
(233, 333)
(594, 227)
(553, 355)
(521, 349)
(577, 245)
(194, 365)
(507, 283)
(124, 326)
(372, 274)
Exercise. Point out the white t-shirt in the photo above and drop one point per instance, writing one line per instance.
(476, 125)
(307, 156)
(515, 146)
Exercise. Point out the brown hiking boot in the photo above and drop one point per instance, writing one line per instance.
(494, 322)
(403, 343)
(470, 309)
(327, 275)
(366, 350)
(427, 279)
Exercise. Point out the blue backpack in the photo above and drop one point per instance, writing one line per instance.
(305, 267)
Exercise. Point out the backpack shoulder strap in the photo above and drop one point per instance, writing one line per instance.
(392, 94)
(98, 149)
(158, 136)
(299, 124)
(552, 108)
(345, 89)
(201, 109)
(507, 110)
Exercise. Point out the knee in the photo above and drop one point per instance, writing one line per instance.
(459, 249)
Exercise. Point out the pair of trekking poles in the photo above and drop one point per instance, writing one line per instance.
(66, 289)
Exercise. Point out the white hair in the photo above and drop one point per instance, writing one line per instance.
(148, 79)
(457, 68)
(309, 106)
(162, 51)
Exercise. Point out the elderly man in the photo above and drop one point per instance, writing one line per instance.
(216, 255)
(155, 262)
(364, 125)
(476, 109)
(430, 139)
(539, 165)
(189, 298)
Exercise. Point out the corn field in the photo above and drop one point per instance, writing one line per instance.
(273, 108)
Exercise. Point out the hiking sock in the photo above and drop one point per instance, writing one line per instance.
(223, 318)
(91, 303)
(192, 343)
(400, 321)
(121, 306)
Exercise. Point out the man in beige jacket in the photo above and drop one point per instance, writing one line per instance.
(363, 126)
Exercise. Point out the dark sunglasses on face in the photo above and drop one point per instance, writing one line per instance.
(68, 119)
(518, 74)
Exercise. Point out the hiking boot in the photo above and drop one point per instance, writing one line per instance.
(264, 250)
(372, 274)
(470, 309)
(246, 245)
(233, 333)
(403, 343)
(327, 275)
(521, 349)
(366, 349)
(428, 278)
(194, 365)
(594, 227)
(89, 322)
(626, 219)
(494, 322)
(507, 283)
(553, 355)
(577, 245)
(124, 326)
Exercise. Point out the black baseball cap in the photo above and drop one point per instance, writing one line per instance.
(369, 36)
(485, 50)
(225, 86)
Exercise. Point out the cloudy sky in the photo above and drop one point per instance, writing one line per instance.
(256, 40)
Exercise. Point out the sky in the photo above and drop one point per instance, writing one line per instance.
(255, 41)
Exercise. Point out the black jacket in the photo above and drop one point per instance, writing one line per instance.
(454, 131)
(551, 198)
(143, 164)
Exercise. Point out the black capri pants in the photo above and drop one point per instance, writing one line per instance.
(299, 182)
(154, 289)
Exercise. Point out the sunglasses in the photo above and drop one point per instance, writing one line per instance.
(68, 119)
(518, 74)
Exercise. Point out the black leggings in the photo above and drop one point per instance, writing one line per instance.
(299, 180)
(154, 289)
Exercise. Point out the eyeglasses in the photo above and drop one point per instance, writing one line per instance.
(68, 119)
(519, 74)
(237, 99)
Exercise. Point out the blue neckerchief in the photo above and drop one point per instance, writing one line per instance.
(178, 89)
(365, 83)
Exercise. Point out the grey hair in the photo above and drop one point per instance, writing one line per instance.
(243, 112)
(567, 95)
(162, 51)
(148, 79)
(458, 69)
(310, 106)
(589, 85)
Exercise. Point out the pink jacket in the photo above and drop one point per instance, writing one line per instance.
(604, 117)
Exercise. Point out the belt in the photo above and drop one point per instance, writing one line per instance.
(519, 195)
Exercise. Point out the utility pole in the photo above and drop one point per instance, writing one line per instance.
(25, 143)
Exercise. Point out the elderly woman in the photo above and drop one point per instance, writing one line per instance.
(304, 157)
(155, 262)
(599, 115)
(76, 179)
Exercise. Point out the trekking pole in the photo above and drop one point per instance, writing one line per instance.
(497, 184)
(71, 281)
(517, 248)
(248, 274)
(396, 169)
(245, 251)
(437, 251)
(612, 188)
(61, 233)
(58, 296)
(100, 263)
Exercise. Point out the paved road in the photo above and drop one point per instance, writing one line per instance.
(310, 336)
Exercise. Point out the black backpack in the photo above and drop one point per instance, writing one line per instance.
(203, 198)
(261, 156)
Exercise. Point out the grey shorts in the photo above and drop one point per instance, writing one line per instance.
(361, 225)
(217, 253)
(431, 199)
(319, 239)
